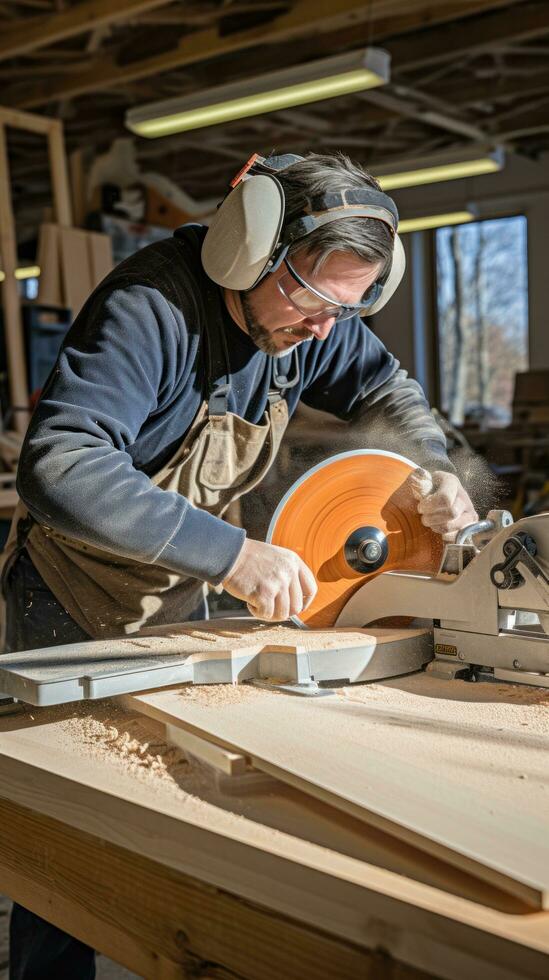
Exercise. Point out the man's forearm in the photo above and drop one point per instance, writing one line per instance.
(396, 417)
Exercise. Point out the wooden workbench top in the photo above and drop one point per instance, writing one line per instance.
(283, 851)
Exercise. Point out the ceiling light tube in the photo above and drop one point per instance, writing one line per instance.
(434, 221)
(299, 85)
(449, 166)
(24, 272)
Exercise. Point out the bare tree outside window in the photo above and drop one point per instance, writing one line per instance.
(482, 289)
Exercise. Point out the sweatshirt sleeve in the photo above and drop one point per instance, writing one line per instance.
(119, 364)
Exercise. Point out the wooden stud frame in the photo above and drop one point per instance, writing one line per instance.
(13, 326)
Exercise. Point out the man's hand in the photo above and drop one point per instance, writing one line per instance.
(444, 504)
(274, 582)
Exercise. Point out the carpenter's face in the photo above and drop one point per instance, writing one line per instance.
(274, 321)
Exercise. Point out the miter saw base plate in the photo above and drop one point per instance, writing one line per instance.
(103, 669)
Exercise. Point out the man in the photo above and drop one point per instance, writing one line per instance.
(169, 400)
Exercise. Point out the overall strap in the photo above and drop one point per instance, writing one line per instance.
(214, 353)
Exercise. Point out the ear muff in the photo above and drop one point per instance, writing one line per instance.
(398, 265)
(241, 241)
(244, 232)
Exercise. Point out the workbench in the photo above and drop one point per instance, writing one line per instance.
(174, 871)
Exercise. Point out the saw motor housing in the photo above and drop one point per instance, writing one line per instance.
(489, 606)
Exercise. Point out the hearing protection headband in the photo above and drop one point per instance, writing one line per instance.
(247, 238)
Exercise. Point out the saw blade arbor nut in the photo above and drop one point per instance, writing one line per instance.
(366, 549)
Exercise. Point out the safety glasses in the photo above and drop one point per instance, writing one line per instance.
(311, 302)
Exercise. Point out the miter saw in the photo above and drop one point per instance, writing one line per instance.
(354, 520)
(392, 598)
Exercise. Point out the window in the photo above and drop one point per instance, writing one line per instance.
(482, 292)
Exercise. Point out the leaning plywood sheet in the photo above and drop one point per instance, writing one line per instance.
(472, 793)
(224, 652)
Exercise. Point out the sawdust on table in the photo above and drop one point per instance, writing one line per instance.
(240, 634)
(500, 707)
(217, 695)
(136, 746)
(136, 761)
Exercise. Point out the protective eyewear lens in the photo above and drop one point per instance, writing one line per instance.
(305, 301)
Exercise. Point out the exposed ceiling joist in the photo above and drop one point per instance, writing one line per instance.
(535, 121)
(429, 117)
(200, 14)
(306, 18)
(488, 91)
(37, 4)
(316, 16)
(37, 32)
(522, 21)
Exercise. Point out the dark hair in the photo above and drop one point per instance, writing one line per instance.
(319, 173)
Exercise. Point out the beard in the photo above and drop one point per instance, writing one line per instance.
(261, 336)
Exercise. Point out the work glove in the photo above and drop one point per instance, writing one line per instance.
(444, 504)
(274, 582)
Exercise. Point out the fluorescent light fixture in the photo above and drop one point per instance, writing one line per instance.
(448, 166)
(312, 82)
(25, 272)
(434, 221)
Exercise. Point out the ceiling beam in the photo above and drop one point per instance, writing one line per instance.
(430, 116)
(490, 90)
(30, 33)
(307, 18)
(466, 38)
(527, 123)
(200, 14)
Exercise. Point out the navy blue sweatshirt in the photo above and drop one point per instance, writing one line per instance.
(128, 383)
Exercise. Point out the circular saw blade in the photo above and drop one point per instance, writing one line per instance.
(364, 493)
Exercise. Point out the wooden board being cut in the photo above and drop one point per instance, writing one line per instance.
(473, 794)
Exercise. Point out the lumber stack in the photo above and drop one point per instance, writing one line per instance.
(72, 263)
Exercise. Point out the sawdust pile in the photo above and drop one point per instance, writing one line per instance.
(138, 749)
(134, 745)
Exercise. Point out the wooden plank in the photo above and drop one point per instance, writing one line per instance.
(313, 885)
(75, 268)
(59, 174)
(78, 187)
(418, 790)
(100, 256)
(50, 291)
(13, 323)
(229, 763)
(25, 120)
(147, 913)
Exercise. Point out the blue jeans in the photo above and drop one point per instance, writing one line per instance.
(35, 619)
